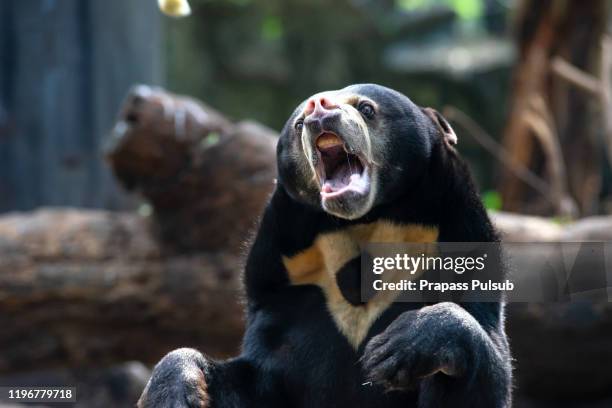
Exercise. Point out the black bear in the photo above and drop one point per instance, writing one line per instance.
(361, 164)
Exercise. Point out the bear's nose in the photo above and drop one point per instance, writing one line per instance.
(320, 113)
(318, 105)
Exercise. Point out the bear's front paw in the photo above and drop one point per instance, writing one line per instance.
(178, 381)
(418, 344)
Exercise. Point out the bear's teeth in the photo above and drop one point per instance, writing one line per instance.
(327, 140)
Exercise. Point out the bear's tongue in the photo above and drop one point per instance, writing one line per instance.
(343, 171)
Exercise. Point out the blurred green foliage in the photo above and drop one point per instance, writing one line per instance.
(271, 28)
(492, 200)
(465, 9)
(260, 59)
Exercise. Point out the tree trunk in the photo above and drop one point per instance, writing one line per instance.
(554, 120)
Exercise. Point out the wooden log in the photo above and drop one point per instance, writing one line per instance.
(117, 386)
(206, 178)
(84, 287)
(89, 287)
(93, 287)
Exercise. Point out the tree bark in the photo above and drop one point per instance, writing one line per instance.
(206, 178)
(92, 287)
(83, 287)
(553, 124)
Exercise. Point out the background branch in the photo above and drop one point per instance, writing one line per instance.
(455, 115)
(582, 80)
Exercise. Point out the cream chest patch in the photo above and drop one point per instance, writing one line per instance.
(318, 265)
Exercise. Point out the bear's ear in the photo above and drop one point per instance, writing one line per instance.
(443, 126)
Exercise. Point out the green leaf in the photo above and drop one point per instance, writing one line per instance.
(211, 139)
(271, 28)
(410, 5)
(465, 9)
(468, 9)
(492, 200)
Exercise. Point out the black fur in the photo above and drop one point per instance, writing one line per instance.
(293, 353)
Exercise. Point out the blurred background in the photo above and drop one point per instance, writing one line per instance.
(137, 150)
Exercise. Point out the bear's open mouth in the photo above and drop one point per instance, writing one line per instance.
(340, 172)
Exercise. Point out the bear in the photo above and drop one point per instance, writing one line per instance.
(359, 164)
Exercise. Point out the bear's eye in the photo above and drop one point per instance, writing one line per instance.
(299, 125)
(366, 109)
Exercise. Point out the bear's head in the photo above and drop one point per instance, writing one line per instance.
(349, 150)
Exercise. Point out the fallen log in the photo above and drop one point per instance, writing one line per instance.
(82, 288)
(117, 386)
(526, 228)
(206, 178)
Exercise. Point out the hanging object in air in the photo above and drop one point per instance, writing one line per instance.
(174, 8)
